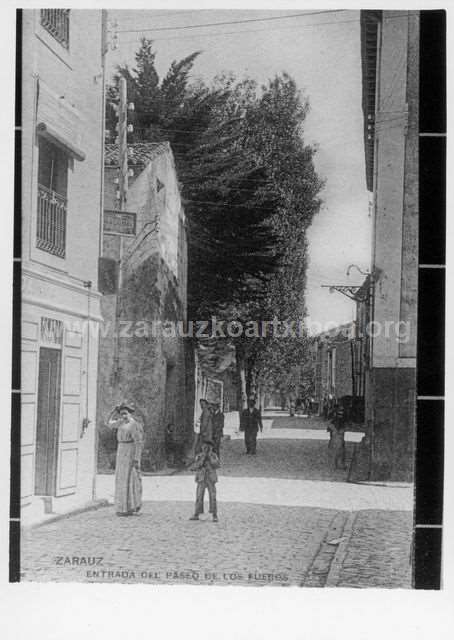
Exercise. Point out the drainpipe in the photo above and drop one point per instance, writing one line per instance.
(104, 48)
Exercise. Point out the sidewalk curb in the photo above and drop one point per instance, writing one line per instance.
(92, 506)
(333, 576)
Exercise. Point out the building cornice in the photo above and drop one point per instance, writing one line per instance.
(59, 308)
(77, 285)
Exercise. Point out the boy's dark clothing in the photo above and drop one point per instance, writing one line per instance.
(218, 431)
(250, 423)
(205, 465)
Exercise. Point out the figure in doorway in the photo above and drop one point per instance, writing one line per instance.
(170, 445)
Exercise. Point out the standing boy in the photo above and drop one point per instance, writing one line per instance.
(205, 465)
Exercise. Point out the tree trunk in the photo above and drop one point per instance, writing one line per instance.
(250, 382)
(261, 397)
(241, 371)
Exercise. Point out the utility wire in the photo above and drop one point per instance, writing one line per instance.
(215, 24)
(215, 34)
(167, 14)
(239, 33)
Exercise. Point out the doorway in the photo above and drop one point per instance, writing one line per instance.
(47, 421)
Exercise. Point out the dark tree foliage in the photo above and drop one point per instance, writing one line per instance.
(231, 240)
(248, 184)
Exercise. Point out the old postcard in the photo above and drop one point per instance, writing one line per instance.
(219, 296)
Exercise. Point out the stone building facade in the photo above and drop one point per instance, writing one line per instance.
(62, 163)
(390, 66)
(335, 356)
(145, 357)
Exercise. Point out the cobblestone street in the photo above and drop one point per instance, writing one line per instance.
(292, 459)
(285, 519)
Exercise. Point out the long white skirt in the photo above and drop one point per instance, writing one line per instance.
(128, 483)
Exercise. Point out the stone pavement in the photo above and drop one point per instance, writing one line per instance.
(282, 458)
(285, 519)
(252, 545)
(278, 424)
(378, 553)
(274, 491)
(163, 546)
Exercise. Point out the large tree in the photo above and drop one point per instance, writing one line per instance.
(231, 240)
(250, 192)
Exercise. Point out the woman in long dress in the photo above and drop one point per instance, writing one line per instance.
(128, 483)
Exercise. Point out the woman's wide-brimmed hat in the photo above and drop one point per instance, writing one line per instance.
(129, 406)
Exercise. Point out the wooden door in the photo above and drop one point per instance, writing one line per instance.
(48, 416)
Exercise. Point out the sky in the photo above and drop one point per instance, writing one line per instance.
(321, 50)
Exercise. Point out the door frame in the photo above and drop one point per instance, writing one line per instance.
(52, 481)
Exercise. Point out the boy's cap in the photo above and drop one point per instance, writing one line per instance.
(129, 406)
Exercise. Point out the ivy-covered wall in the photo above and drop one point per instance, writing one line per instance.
(142, 358)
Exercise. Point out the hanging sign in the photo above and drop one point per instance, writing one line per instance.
(119, 223)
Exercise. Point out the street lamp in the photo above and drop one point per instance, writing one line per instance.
(351, 266)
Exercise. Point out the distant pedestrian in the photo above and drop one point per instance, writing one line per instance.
(218, 429)
(250, 423)
(205, 465)
(128, 483)
(336, 446)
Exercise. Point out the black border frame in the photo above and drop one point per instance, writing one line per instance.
(429, 461)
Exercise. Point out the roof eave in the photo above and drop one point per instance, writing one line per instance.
(369, 21)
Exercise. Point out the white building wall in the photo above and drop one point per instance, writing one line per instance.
(54, 287)
(390, 134)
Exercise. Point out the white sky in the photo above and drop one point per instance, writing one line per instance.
(322, 53)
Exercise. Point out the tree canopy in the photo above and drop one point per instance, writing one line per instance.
(249, 188)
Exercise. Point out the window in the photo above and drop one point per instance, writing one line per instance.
(52, 202)
(56, 22)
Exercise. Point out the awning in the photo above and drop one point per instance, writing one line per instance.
(59, 121)
(46, 131)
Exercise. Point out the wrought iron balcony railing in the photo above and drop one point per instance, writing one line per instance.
(56, 22)
(51, 223)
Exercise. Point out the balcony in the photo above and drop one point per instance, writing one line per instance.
(56, 22)
(51, 223)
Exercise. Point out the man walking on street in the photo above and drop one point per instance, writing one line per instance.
(218, 429)
(250, 423)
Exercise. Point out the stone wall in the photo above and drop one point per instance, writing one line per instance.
(393, 414)
(149, 363)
